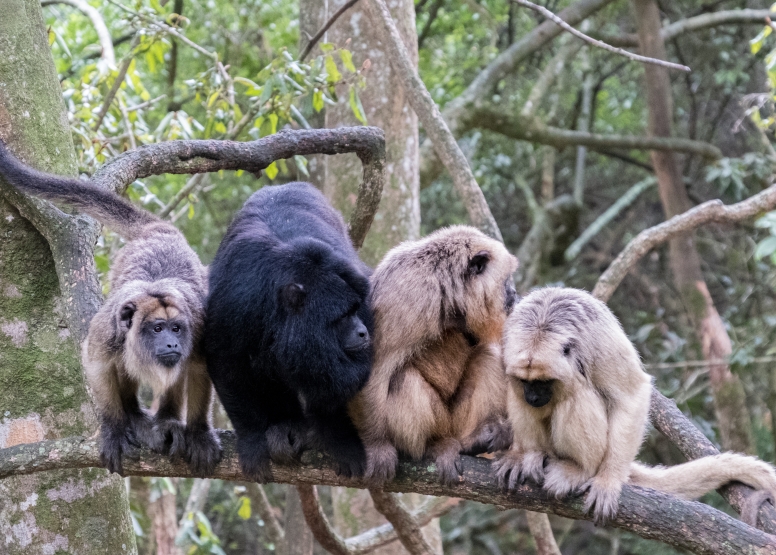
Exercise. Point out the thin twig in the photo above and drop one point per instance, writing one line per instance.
(103, 35)
(711, 211)
(116, 83)
(322, 31)
(579, 34)
(146, 104)
(541, 531)
(704, 363)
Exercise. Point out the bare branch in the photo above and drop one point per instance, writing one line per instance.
(197, 498)
(609, 214)
(539, 525)
(318, 523)
(697, 23)
(103, 35)
(410, 534)
(262, 506)
(532, 129)
(579, 34)
(711, 211)
(650, 514)
(181, 157)
(322, 31)
(428, 113)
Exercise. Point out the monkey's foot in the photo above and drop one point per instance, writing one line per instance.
(349, 458)
(254, 458)
(203, 450)
(286, 441)
(562, 478)
(381, 462)
(168, 438)
(604, 498)
(118, 439)
(514, 467)
(494, 435)
(447, 456)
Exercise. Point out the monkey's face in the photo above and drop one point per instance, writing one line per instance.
(158, 334)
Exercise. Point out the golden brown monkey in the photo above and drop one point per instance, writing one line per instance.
(148, 331)
(437, 385)
(578, 400)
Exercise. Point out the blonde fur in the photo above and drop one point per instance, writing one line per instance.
(590, 431)
(437, 383)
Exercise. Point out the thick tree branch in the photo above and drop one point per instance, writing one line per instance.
(318, 523)
(262, 506)
(579, 34)
(428, 113)
(103, 35)
(711, 211)
(669, 420)
(650, 514)
(182, 157)
(407, 528)
(541, 531)
(697, 23)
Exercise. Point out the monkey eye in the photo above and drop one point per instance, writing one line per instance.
(567, 349)
(158, 328)
(176, 328)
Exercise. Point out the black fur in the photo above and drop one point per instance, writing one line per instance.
(284, 279)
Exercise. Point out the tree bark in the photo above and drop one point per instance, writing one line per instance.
(729, 397)
(298, 537)
(42, 320)
(164, 522)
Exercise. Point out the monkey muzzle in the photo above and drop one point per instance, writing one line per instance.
(537, 392)
(167, 348)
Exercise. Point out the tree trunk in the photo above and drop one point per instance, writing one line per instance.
(729, 397)
(42, 392)
(299, 537)
(384, 104)
(164, 522)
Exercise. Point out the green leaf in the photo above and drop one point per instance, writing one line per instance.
(212, 99)
(766, 247)
(273, 121)
(244, 512)
(272, 172)
(347, 60)
(301, 164)
(326, 47)
(356, 106)
(757, 43)
(334, 76)
(318, 100)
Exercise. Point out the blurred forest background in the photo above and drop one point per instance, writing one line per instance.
(231, 69)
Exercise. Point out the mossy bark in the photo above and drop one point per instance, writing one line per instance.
(42, 391)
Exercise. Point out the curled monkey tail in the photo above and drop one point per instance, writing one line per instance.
(692, 479)
(107, 207)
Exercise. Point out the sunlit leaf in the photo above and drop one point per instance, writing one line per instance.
(326, 47)
(272, 170)
(356, 106)
(318, 100)
(766, 247)
(244, 512)
(334, 75)
(347, 59)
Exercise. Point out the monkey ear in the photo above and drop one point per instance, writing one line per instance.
(293, 296)
(479, 262)
(126, 313)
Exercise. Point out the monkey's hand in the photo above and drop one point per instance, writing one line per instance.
(563, 477)
(515, 467)
(447, 456)
(167, 437)
(381, 462)
(286, 441)
(349, 459)
(604, 498)
(203, 450)
(118, 439)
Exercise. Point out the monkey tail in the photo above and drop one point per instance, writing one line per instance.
(694, 478)
(108, 208)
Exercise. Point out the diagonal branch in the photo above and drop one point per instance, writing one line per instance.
(262, 506)
(650, 514)
(711, 211)
(407, 528)
(322, 31)
(595, 42)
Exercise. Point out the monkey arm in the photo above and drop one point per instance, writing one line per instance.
(627, 418)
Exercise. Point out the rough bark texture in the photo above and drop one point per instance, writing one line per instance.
(385, 106)
(164, 523)
(298, 538)
(729, 397)
(42, 392)
(648, 513)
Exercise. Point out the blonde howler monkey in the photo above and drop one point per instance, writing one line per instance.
(578, 400)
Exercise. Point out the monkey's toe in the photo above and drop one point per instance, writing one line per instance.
(285, 442)
(203, 451)
(604, 499)
(168, 437)
(449, 469)
(381, 463)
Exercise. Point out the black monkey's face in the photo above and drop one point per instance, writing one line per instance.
(352, 334)
(165, 340)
